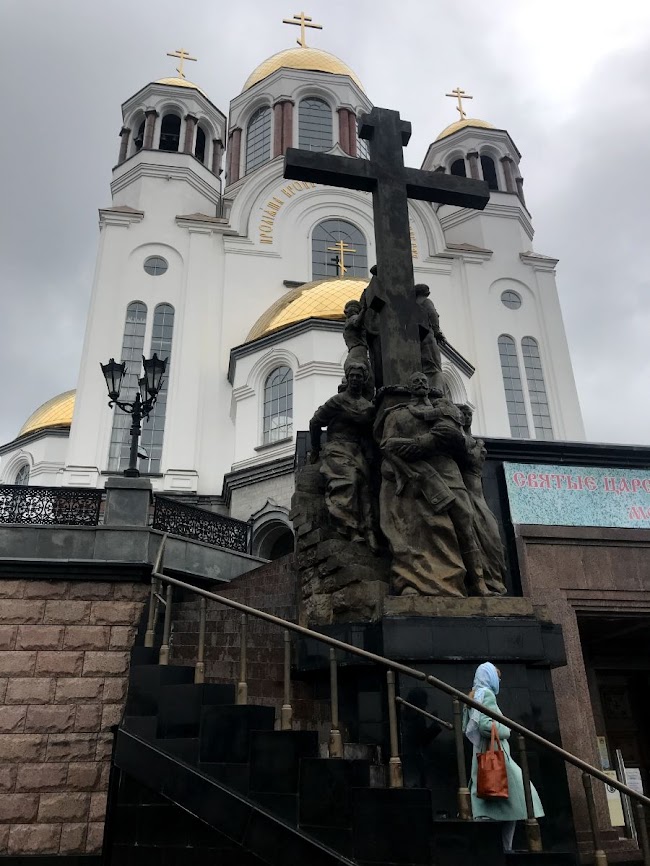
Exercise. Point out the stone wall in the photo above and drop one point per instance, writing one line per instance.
(64, 658)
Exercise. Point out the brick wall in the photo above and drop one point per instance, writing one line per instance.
(64, 656)
(271, 588)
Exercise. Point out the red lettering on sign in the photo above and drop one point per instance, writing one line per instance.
(610, 484)
(636, 512)
(646, 484)
(532, 482)
(591, 483)
(520, 479)
(543, 481)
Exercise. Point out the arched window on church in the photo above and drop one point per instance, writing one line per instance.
(199, 147)
(513, 388)
(338, 248)
(139, 137)
(489, 172)
(153, 428)
(132, 346)
(536, 388)
(278, 405)
(314, 124)
(170, 132)
(258, 138)
(458, 168)
(22, 476)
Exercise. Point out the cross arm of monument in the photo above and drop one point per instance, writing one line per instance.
(352, 173)
(446, 188)
(325, 168)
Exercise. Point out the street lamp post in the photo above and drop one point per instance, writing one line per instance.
(139, 408)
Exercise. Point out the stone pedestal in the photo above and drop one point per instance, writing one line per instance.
(448, 638)
(127, 501)
(339, 580)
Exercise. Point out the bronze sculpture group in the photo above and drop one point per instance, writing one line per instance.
(405, 472)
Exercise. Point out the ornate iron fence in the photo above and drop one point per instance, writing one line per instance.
(66, 506)
(201, 525)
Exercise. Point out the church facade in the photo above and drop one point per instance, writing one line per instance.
(209, 257)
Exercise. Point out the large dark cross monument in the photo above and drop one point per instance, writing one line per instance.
(391, 183)
(396, 546)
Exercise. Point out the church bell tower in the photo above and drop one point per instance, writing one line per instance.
(159, 245)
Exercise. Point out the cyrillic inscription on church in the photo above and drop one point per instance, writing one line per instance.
(273, 206)
(270, 210)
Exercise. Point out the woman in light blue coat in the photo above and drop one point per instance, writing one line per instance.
(478, 730)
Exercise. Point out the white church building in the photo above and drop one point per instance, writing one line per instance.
(209, 257)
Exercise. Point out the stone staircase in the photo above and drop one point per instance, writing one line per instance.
(198, 779)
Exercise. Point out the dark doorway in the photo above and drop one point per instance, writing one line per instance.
(617, 660)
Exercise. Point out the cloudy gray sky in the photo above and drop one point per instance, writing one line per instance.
(569, 80)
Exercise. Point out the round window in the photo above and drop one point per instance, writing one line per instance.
(155, 265)
(511, 300)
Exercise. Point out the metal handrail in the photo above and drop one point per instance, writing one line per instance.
(415, 674)
(422, 712)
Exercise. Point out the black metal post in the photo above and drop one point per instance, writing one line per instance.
(533, 834)
(600, 858)
(642, 833)
(463, 797)
(136, 429)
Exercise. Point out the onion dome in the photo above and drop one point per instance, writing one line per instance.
(301, 58)
(320, 299)
(461, 124)
(57, 412)
(179, 82)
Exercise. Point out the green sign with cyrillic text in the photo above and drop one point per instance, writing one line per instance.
(578, 495)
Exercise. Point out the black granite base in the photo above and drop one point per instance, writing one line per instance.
(524, 647)
(52, 860)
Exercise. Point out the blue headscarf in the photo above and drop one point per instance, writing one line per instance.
(486, 677)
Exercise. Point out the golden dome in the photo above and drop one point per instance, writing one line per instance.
(179, 82)
(320, 299)
(301, 58)
(57, 412)
(461, 124)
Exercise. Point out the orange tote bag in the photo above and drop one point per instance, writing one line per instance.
(492, 776)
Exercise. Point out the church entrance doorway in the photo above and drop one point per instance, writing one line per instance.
(615, 650)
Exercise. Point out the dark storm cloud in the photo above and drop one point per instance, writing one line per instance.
(68, 66)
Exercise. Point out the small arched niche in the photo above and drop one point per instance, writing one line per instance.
(200, 146)
(273, 539)
(170, 132)
(458, 168)
(489, 170)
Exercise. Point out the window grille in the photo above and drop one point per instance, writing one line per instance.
(278, 405)
(132, 346)
(536, 389)
(258, 138)
(513, 388)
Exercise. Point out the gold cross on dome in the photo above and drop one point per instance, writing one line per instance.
(341, 248)
(183, 55)
(460, 95)
(301, 20)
